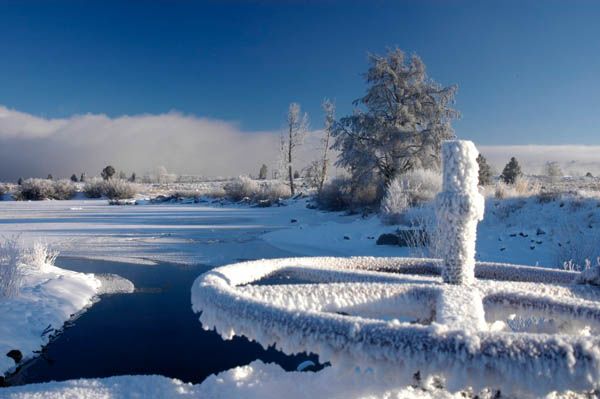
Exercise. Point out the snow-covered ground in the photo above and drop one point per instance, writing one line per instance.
(47, 299)
(522, 231)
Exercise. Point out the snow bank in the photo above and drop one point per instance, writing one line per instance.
(48, 297)
(147, 387)
(254, 381)
(396, 324)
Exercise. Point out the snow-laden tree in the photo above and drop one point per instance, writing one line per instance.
(485, 171)
(399, 124)
(297, 127)
(553, 171)
(329, 110)
(511, 172)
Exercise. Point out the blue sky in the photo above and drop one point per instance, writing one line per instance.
(528, 72)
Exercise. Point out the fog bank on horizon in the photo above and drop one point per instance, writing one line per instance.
(32, 146)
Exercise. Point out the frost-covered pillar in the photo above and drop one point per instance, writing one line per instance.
(459, 207)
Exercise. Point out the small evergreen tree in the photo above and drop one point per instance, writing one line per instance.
(20, 181)
(74, 178)
(553, 171)
(485, 171)
(296, 174)
(511, 172)
(133, 177)
(108, 172)
(83, 177)
(589, 174)
(262, 174)
(50, 177)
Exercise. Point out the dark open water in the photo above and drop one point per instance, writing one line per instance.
(153, 331)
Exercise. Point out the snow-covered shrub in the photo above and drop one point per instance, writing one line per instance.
(35, 190)
(590, 274)
(111, 188)
(409, 189)
(395, 202)
(522, 187)
(64, 189)
(94, 188)
(241, 187)
(3, 190)
(335, 195)
(39, 256)
(10, 267)
(422, 218)
(119, 189)
(214, 192)
(273, 191)
(576, 245)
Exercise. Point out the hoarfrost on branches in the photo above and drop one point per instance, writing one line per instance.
(406, 117)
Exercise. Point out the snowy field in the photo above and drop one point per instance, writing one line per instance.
(522, 231)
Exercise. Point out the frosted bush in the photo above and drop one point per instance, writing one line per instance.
(3, 190)
(94, 188)
(119, 189)
(241, 187)
(395, 202)
(111, 188)
(273, 191)
(10, 267)
(64, 189)
(35, 190)
(407, 190)
(578, 244)
(39, 256)
(522, 187)
(335, 195)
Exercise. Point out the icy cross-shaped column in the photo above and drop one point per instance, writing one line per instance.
(459, 207)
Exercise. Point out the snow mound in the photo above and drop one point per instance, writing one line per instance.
(258, 380)
(48, 297)
(394, 316)
(114, 284)
(590, 276)
(147, 387)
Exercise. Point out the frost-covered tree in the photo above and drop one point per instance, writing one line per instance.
(262, 173)
(511, 172)
(329, 110)
(399, 124)
(122, 175)
(74, 178)
(108, 172)
(297, 126)
(133, 177)
(50, 177)
(485, 171)
(83, 177)
(553, 171)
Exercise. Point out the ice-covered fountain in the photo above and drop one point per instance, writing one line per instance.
(472, 324)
